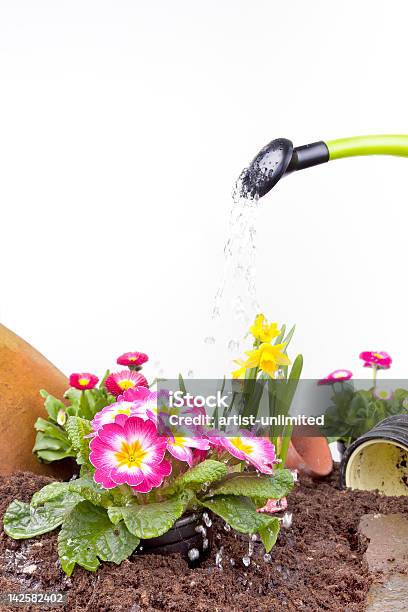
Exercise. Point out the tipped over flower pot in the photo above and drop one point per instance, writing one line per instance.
(309, 452)
(23, 372)
(191, 536)
(378, 460)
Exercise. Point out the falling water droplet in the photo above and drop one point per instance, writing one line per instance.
(233, 346)
(209, 340)
(287, 520)
(190, 374)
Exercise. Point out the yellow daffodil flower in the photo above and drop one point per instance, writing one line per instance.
(268, 357)
(262, 330)
(240, 373)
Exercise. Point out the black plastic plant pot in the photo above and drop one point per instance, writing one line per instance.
(191, 536)
(378, 460)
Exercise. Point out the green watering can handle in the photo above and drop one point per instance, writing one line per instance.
(381, 144)
(279, 158)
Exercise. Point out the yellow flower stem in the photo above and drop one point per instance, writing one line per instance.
(284, 447)
(249, 389)
(272, 408)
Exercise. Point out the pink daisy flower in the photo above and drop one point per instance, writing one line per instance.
(132, 359)
(129, 451)
(375, 359)
(83, 381)
(149, 403)
(109, 414)
(336, 376)
(258, 451)
(383, 394)
(118, 382)
(181, 447)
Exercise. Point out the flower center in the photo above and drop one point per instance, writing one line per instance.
(241, 445)
(131, 454)
(177, 441)
(126, 384)
(132, 358)
(83, 381)
(122, 411)
(377, 355)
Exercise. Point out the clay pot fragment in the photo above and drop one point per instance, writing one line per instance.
(309, 453)
(23, 372)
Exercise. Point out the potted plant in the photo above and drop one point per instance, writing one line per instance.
(135, 484)
(356, 411)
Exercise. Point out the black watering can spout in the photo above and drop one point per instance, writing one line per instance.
(280, 157)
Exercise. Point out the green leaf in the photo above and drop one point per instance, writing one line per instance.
(269, 533)
(279, 338)
(84, 488)
(51, 429)
(151, 520)
(289, 337)
(53, 455)
(263, 487)
(44, 442)
(24, 521)
(240, 513)
(205, 472)
(73, 395)
(182, 385)
(77, 428)
(53, 406)
(88, 535)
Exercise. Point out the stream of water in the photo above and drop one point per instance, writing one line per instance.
(236, 302)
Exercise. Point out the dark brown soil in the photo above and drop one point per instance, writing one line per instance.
(317, 564)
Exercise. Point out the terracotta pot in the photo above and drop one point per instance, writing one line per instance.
(309, 453)
(23, 372)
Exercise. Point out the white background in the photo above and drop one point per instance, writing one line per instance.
(123, 126)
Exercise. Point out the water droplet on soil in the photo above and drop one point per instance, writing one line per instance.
(218, 558)
(287, 520)
(207, 520)
(201, 529)
(246, 561)
(193, 554)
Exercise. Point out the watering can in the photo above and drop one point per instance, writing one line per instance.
(378, 460)
(280, 157)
